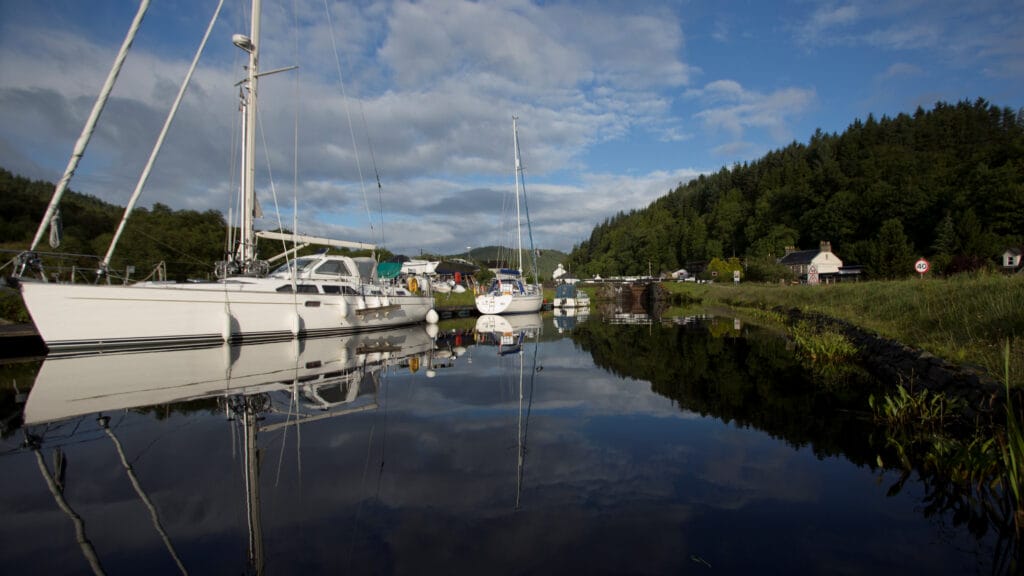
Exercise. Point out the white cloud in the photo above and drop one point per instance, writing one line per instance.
(826, 17)
(735, 110)
(901, 70)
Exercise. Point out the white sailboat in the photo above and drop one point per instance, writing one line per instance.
(509, 292)
(325, 294)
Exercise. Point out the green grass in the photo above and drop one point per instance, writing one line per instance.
(964, 319)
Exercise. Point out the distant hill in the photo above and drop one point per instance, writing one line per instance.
(546, 262)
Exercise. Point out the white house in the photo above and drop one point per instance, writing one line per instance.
(561, 275)
(1011, 260)
(811, 265)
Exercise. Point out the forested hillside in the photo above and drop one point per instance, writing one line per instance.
(186, 240)
(947, 184)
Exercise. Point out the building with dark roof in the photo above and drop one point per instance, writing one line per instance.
(818, 265)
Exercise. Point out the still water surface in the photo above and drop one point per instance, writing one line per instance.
(588, 447)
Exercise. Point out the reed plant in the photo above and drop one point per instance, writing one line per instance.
(824, 344)
(985, 459)
(907, 410)
(1012, 449)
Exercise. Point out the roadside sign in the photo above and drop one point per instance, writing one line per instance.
(735, 275)
(812, 274)
(921, 266)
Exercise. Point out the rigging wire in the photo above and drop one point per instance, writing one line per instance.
(521, 177)
(348, 115)
(144, 177)
(376, 172)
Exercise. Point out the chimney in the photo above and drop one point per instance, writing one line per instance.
(789, 250)
(826, 246)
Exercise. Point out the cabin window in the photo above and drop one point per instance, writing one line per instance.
(297, 264)
(300, 288)
(336, 289)
(331, 267)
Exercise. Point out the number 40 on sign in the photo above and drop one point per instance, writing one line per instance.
(921, 266)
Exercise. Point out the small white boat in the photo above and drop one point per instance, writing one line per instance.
(509, 292)
(413, 267)
(569, 296)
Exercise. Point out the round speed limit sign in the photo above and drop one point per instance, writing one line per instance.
(921, 266)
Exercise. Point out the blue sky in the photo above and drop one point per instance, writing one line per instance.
(618, 102)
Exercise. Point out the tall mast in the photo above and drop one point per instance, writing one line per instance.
(519, 169)
(247, 250)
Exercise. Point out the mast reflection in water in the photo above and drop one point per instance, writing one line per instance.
(502, 445)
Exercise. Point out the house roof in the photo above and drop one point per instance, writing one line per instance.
(1014, 251)
(799, 257)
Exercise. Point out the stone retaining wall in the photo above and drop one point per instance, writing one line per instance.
(895, 363)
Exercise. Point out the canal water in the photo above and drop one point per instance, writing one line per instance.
(524, 445)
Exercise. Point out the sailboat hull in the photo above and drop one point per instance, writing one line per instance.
(77, 316)
(509, 303)
(571, 302)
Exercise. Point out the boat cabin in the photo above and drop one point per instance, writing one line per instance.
(329, 267)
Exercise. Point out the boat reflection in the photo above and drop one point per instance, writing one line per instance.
(511, 334)
(297, 380)
(507, 332)
(567, 318)
(322, 373)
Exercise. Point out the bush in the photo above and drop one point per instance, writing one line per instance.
(12, 309)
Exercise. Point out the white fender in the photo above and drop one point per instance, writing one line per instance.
(432, 317)
(228, 321)
(432, 330)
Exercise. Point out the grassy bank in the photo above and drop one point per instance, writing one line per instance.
(965, 319)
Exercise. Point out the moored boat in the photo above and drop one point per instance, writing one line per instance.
(510, 292)
(570, 296)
